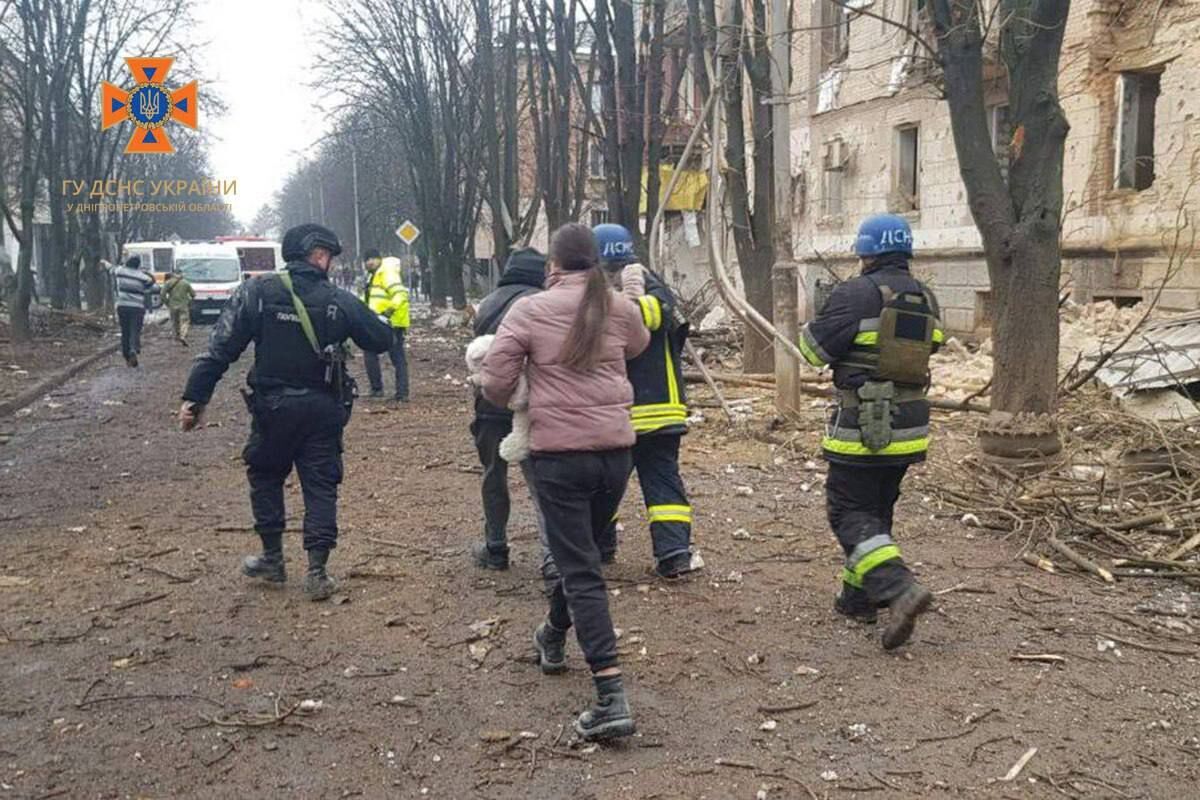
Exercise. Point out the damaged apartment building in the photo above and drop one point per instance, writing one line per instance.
(870, 134)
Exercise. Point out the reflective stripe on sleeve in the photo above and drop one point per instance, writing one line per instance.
(811, 349)
(651, 311)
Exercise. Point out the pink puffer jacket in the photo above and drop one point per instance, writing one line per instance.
(568, 410)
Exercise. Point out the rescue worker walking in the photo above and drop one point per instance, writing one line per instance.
(659, 406)
(134, 287)
(178, 295)
(877, 332)
(300, 394)
(387, 296)
(523, 275)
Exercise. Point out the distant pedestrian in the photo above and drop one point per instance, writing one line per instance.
(178, 295)
(387, 296)
(573, 340)
(133, 288)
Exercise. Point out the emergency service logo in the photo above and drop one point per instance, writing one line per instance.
(150, 105)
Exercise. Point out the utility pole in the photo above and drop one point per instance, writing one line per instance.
(781, 128)
(785, 274)
(354, 174)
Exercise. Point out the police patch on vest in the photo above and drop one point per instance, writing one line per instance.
(286, 316)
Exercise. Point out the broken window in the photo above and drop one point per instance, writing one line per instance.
(1001, 130)
(1135, 129)
(906, 170)
(835, 33)
(834, 161)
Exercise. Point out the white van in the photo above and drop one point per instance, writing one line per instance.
(215, 273)
(259, 256)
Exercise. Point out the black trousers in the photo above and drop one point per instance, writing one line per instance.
(399, 362)
(131, 321)
(497, 505)
(656, 459)
(578, 493)
(860, 503)
(301, 429)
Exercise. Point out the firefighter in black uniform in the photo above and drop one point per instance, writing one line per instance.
(659, 406)
(877, 332)
(300, 393)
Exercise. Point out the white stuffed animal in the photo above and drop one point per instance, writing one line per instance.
(514, 448)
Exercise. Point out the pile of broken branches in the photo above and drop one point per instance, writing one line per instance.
(1122, 500)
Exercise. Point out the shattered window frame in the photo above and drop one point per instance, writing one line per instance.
(906, 189)
(1138, 93)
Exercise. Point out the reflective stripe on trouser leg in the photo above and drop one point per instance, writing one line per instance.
(656, 459)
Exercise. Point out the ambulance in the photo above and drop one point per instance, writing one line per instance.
(215, 273)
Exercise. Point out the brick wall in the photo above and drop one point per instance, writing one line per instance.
(1116, 241)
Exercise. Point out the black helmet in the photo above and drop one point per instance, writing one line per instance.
(301, 240)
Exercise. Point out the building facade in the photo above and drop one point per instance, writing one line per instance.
(870, 134)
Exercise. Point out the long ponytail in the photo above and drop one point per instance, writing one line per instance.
(573, 248)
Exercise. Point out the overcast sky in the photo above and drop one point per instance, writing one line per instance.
(259, 59)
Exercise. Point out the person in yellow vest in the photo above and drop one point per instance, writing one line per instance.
(387, 296)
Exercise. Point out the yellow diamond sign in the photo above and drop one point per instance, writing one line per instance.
(408, 232)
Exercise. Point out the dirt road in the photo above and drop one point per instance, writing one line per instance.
(137, 662)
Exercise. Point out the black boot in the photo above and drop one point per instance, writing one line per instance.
(318, 584)
(551, 648)
(609, 717)
(268, 566)
(903, 613)
(854, 604)
(487, 558)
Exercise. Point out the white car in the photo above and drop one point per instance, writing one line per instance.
(215, 273)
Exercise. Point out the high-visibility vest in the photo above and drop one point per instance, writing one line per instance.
(387, 294)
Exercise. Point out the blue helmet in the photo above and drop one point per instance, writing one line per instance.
(615, 243)
(883, 233)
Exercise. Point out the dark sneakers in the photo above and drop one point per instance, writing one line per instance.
(486, 558)
(675, 566)
(904, 610)
(609, 717)
(269, 567)
(551, 645)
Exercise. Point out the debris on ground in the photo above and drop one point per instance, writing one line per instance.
(1122, 500)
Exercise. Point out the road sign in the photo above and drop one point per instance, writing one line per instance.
(408, 232)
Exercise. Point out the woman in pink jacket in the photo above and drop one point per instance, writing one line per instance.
(573, 340)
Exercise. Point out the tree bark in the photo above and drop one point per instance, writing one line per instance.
(1019, 221)
(501, 232)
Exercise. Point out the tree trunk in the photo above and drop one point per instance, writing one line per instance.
(1018, 220)
(758, 351)
(501, 235)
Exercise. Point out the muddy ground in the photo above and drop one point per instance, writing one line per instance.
(137, 662)
(61, 339)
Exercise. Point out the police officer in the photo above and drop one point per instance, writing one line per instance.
(659, 405)
(300, 393)
(877, 332)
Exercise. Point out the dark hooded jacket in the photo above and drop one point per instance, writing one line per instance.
(524, 274)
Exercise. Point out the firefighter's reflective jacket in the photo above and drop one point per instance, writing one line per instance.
(659, 403)
(882, 416)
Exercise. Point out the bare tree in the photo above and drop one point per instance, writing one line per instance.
(560, 112)
(744, 59)
(1019, 218)
(413, 67)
